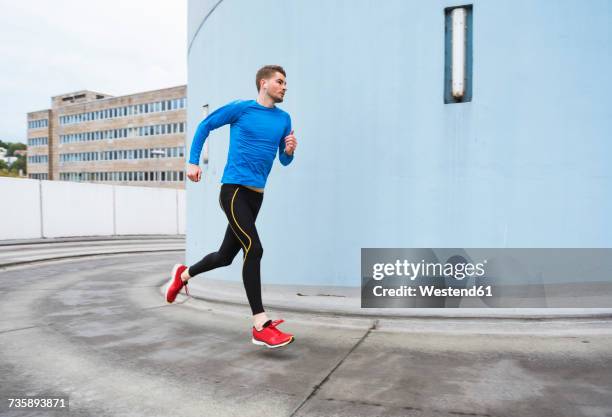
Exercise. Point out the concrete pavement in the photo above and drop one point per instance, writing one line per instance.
(98, 330)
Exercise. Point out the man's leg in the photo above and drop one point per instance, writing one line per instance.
(241, 207)
(223, 257)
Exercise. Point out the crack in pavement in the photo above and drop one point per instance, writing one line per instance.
(439, 411)
(22, 328)
(318, 386)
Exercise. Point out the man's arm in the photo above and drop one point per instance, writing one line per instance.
(220, 117)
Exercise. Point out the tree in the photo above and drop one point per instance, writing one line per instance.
(20, 163)
(14, 146)
(3, 165)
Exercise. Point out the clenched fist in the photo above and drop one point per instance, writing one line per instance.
(290, 143)
(194, 172)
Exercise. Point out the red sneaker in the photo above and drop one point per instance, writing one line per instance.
(176, 283)
(270, 336)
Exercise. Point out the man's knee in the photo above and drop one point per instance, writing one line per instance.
(256, 251)
(224, 259)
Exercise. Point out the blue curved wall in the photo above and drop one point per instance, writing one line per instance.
(381, 160)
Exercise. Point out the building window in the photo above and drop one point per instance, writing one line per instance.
(36, 124)
(41, 176)
(38, 159)
(38, 141)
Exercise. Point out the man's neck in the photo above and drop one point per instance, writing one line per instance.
(265, 100)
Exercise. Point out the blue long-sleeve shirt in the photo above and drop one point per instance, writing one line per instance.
(257, 133)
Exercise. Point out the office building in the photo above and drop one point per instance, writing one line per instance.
(137, 139)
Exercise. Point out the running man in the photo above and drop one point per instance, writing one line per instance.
(258, 131)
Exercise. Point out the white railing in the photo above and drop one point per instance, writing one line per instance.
(37, 208)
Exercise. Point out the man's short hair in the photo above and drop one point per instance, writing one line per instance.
(266, 72)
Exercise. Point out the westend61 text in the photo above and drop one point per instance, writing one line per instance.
(432, 291)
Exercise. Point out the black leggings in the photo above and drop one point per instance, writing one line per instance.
(241, 205)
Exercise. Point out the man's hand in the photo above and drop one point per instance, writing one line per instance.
(290, 143)
(194, 172)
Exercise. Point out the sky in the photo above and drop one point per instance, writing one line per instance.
(116, 47)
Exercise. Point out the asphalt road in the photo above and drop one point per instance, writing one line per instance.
(98, 330)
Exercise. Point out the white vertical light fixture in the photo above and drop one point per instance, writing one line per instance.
(458, 18)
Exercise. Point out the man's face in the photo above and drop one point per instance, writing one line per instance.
(275, 87)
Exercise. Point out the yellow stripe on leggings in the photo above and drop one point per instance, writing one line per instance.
(236, 221)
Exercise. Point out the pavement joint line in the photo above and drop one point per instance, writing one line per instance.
(79, 257)
(142, 286)
(80, 239)
(318, 386)
(62, 247)
(412, 408)
(22, 328)
(156, 307)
